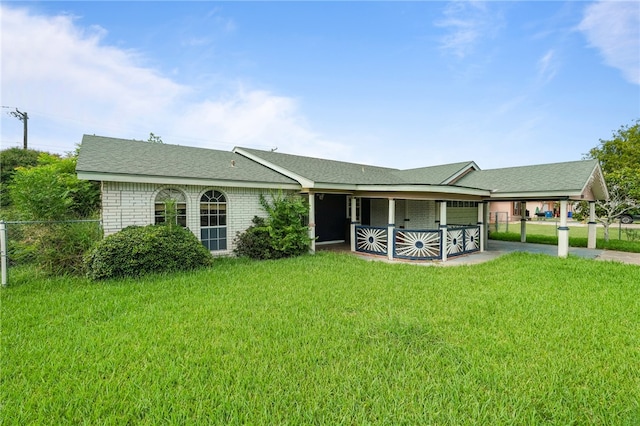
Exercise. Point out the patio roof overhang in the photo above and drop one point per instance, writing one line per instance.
(439, 192)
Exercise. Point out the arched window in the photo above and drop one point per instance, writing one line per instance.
(170, 203)
(213, 220)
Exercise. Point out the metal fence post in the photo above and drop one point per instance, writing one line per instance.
(4, 253)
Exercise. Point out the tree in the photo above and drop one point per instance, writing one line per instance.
(154, 138)
(10, 159)
(52, 191)
(620, 161)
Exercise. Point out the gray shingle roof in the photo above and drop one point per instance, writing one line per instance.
(103, 155)
(122, 156)
(331, 171)
(328, 171)
(570, 176)
(433, 175)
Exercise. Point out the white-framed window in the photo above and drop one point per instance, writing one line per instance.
(358, 207)
(213, 220)
(170, 203)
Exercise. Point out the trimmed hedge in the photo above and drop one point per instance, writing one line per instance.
(137, 250)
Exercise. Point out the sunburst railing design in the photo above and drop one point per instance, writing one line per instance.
(462, 240)
(371, 239)
(472, 239)
(417, 245)
(455, 243)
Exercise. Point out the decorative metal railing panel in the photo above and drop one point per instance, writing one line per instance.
(418, 244)
(371, 239)
(462, 240)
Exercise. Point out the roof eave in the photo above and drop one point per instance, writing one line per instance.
(537, 195)
(441, 189)
(169, 180)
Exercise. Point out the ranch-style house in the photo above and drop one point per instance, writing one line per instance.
(428, 213)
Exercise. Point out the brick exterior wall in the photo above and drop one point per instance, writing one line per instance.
(125, 204)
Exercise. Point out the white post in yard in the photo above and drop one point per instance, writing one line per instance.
(443, 228)
(354, 221)
(563, 231)
(481, 225)
(390, 227)
(523, 222)
(4, 253)
(312, 222)
(591, 239)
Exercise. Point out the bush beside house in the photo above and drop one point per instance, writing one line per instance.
(137, 251)
(282, 234)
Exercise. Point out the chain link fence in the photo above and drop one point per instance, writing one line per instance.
(55, 247)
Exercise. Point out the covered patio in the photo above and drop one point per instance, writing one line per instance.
(443, 221)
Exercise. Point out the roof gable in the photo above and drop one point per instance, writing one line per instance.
(436, 175)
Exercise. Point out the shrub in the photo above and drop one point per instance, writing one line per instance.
(55, 248)
(282, 234)
(255, 242)
(137, 250)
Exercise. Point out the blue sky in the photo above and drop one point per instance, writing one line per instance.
(397, 84)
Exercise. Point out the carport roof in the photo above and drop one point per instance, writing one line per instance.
(569, 178)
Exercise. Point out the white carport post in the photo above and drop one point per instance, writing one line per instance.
(563, 231)
(523, 222)
(354, 222)
(390, 227)
(443, 229)
(591, 239)
(481, 226)
(312, 222)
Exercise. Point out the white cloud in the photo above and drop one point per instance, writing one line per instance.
(613, 27)
(467, 24)
(546, 66)
(72, 83)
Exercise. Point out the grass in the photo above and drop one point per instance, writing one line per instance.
(328, 339)
(547, 234)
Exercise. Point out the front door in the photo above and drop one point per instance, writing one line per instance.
(331, 217)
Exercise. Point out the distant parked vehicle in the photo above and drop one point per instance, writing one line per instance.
(628, 218)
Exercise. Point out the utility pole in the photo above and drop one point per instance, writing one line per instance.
(22, 116)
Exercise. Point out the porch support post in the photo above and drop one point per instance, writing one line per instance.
(354, 222)
(523, 222)
(443, 229)
(563, 231)
(390, 227)
(312, 222)
(591, 239)
(481, 225)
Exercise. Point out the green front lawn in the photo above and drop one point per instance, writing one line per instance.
(328, 339)
(547, 234)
